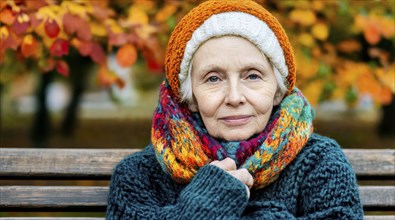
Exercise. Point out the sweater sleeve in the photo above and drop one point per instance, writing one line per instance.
(329, 192)
(137, 192)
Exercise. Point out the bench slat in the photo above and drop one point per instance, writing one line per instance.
(373, 197)
(372, 162)
(27, 162)
(99, 163)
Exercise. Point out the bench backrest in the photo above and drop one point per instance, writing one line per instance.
(20, 164)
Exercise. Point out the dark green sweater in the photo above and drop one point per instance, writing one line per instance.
(318, 184)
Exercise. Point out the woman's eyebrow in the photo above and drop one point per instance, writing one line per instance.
(255, 65)
(209, 68)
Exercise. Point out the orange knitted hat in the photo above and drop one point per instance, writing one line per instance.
(216, 18)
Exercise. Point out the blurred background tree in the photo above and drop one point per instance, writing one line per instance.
(344, 48)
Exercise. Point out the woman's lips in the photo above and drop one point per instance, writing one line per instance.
(236, 120)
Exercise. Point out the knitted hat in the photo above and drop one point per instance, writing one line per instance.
(216, 18)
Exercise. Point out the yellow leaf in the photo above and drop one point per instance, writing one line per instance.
(320, 31)
(77, 9)
(387, 26)
(165, 12)
(3, 32)
(114, 27)
(303, 17)
(145, 31)
(317, 5)
(47, 12)
(387, 76)
(98, 29)
(312, 91)
(306, 39)
(307, 68)
(137, 16)
(50, 12)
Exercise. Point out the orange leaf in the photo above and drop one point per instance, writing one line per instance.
(127, 55)
(372, 33)
(106, 77)
(349, 46)
(36, 4)
(29, 46)
(7, 17)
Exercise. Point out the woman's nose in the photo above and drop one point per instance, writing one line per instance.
(234, 94)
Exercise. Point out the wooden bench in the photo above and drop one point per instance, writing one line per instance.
(58, 167)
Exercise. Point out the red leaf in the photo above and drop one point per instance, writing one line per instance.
(34, 21)
(62, 67)
(75, 24)
(117, 39)
(59, 48)
(85, 48)
(10, 41)
(20, 27)
(97, 54)
(84, 31)
(70, 23)
(51, 28)
(154, 66)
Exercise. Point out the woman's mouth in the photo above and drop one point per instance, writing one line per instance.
(236, 120)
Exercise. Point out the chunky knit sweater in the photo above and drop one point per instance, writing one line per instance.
(318, 184)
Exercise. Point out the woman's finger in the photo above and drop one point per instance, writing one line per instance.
(244, 176)
(227, 164)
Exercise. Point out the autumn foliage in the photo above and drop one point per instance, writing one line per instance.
(344, 49)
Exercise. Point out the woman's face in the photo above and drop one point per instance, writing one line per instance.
(233, 86)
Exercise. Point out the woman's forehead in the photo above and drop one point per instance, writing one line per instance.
(227, 49)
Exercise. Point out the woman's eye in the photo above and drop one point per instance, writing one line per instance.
(253, 76)
(213, 79)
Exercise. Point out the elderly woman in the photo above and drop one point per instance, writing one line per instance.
(232, 138)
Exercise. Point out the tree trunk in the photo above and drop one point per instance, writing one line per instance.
(41, 126)
(387, 123)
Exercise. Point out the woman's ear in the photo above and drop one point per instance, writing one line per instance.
(277, 99)
(192, 105)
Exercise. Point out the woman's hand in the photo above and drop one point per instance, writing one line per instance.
(229, 165)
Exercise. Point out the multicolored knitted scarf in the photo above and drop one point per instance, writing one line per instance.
(182, 144)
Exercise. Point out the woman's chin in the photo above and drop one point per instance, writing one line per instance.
(236, 136)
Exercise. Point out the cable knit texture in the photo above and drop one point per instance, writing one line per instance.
(318, 184)
(184, 30)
